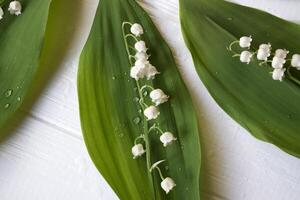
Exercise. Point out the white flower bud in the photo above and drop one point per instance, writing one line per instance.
(140, 46)
(263, 54)
(278, 74)
(136, 29)
(266, 47)
(281, 53)
(167, 184)
(137, 72)
(15, 8)
(245, 42)
(141, 56)
(151, 112)
(1, 13)
(246, 56)
(277, 63)
(137, 150)
(158, 97)
(150, 71)
(141, 63)
(167, 138)
(296, 61)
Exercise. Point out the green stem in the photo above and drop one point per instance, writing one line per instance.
(147, 86)
(291, 77)
(139, 137)
(154, 127)
(160, 174)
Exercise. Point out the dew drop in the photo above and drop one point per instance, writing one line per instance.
(179, 168)
(8, 93)
(6, 105)
(229, 18)
(140, 110)
(136, 120)
(145, 93)
(19, 99)
(113, 78)
(136, 99)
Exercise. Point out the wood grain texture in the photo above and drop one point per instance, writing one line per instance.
(45, 157)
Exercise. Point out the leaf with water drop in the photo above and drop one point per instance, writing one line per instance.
(21, 42)
(105, 103)
(246, 92)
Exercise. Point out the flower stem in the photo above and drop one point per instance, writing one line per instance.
(147, 86)
(160, 174)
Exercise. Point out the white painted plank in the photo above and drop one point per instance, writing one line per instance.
(45, 158)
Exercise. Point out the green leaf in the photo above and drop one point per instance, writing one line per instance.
(110, 115)
(269, 109)
(21, 41)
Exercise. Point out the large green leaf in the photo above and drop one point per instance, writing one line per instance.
(110, 114)
(21, 41)
(269, 109)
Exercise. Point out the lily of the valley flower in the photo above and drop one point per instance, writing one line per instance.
(151, 112)
(167, 138)
(277, 62)
(158, 97)
(15, 8)
(281, 53)
(150, 71)
(137, 72)
(140, 46)
(1, 13)
(168, 184)
(137, 150)
(278, 74)
(246, 56)
(296, 61)
(264, 52)
(245, 41)
(136, 29)
(142, 56)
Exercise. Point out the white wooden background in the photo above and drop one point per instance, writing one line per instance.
(45, 157)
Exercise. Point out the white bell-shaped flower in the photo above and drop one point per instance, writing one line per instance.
(150, 71)
(278, 74)
(277, 62)
(167, 184)
(1, 13)
(140, 46)
(158, 97)
(246, 56)
(281, 53)
(167, 138)
(266, 47)
(136, 29)
(137, 72)
(245, 41)
(143, 56)
(263, 54)
(141, 63)
(137, 150)
(151, 112)
(296, 61)
(15, 8)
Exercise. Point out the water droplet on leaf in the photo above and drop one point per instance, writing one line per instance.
(6, 105)
(136, 120)
(8, 93)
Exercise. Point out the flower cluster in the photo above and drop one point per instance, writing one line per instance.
(142, 71)
(263, 53)
(15, 8)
